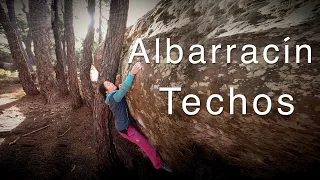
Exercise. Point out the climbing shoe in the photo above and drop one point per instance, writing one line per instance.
(166, 167)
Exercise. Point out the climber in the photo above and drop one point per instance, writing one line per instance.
(118, 105)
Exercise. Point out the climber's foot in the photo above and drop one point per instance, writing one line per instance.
(166, 167)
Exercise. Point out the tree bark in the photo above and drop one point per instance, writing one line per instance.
(40, 28)
(102, 116)
(86, 63)
(72, 64)
(27, 40)
(64, 48)
(11, 13)
(18, 56)
(13, 21)
(63, 39)
(100, 23)
(59, 68)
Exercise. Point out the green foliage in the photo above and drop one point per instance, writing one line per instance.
(78, 54)
(95, 45)
(1, 29)
(7, 73)
(61, 24)
(23, 26)
(8, 76)
(4, 47)
(107, 2)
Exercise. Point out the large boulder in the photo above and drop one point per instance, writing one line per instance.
(258, 145)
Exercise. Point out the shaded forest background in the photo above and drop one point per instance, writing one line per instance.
(55, 76)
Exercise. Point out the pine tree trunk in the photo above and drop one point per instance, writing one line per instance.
(59, 68)
(86, 63)
(40, 28)
(13, 21)
(18, 56)
(11, 13)
(72, 64)
(100, 23)
(103, 120)
(64, 50)
(63, 39)
(27, 40)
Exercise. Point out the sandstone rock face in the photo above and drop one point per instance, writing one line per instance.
(258, 145)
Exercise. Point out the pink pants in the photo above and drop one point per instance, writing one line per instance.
(137, 138)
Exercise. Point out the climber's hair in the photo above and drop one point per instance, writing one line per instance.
(103, 90)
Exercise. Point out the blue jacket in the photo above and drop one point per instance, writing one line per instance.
(118, 104)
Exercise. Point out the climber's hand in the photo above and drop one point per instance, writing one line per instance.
(136, 68)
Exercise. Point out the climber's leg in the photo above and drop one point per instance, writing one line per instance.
(137, 138)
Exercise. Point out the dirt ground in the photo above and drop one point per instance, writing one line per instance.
(63, 150)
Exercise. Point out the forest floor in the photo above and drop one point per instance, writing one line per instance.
(62, 150)
(56, 141)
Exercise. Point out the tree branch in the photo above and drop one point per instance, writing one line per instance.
(24, 8)
(13, 142)
(62, 8)
(65, 132)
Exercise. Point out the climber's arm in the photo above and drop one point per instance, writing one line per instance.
(124, 89)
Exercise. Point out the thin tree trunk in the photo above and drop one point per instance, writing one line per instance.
(72, 64)
(40, 28)
(60, 74)
(11, 13)
(64, 44)
(27, 40)
(110, 62)
(18, 56)
(100, 23)
(64, 48)
(86, 63)
(13, 21)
